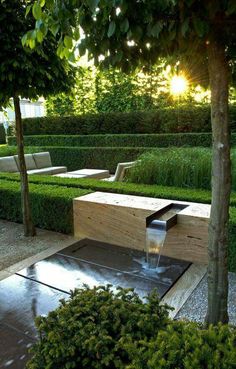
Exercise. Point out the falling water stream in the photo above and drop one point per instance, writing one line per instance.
(156, 234)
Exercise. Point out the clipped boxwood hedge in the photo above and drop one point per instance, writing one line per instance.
(51, 205)
(166, 120)
(122, 140)
(97, 329)
(164, 192)
(2, 135)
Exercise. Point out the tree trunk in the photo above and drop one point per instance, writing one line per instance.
(221, 186)
(29, 229)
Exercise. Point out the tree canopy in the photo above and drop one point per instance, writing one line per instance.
(129, 33)
(28, 73)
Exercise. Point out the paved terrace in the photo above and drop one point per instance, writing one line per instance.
(37, 272)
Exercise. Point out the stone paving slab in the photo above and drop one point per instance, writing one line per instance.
(37, 289)
(22, 300)
(125, 260)
(94, 263)
(14, 347)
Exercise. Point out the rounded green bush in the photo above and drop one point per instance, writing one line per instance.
(184, 345)
(93, 328)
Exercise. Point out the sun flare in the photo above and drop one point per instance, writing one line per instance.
(178, 85)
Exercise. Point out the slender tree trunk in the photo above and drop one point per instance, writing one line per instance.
(29, 229)
(221, 186)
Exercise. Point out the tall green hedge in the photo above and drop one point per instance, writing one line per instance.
(2, 134)
(122, 140)
(166, 120)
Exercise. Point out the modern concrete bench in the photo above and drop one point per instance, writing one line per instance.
(38, 163)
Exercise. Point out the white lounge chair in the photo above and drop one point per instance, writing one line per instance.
(120, 171)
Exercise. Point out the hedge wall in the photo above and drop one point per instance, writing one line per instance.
(122, 140)
(167, 120)
(51, 205)
(164, 192)
(2, 135)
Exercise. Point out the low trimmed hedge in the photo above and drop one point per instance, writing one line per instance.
(166, 120)
(51, 205)
(6, 150)
(122, 140)
(98, 329)
(172, 193)
(2, 135)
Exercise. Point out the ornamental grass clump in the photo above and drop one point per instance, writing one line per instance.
(185, 167)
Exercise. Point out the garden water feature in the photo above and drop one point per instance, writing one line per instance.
(157, 226)
(36, 290)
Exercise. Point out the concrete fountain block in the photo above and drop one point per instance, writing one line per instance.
(121, 220)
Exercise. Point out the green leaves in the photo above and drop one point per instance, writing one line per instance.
(156, 29)
(185, 27)
(35, 70)
(200, 27)
(37, 11)
(54, 29)
(124, 26)
(68, 42)
(93, 4)
(28, 9)
(231, 9)
(111, 29)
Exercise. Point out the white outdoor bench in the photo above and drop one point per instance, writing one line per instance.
(38, 163)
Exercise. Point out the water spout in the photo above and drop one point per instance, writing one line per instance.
(156, 235)
(157, 226)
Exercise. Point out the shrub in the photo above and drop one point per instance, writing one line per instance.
(181, 167)
(164, 192)
(121, 140)
(93, 124)
(92, 328)
(6, 150)
(166, 120)
(51, 205)
(185, 345)
(2, 135)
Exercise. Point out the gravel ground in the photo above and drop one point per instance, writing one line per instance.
(195, 307)
(14, 247)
